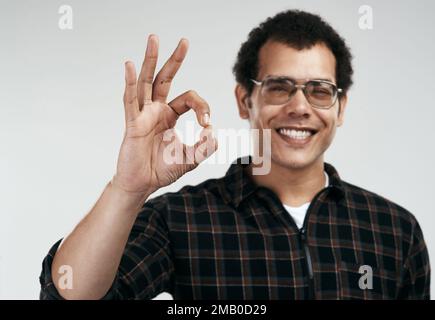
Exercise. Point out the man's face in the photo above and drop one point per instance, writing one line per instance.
(278, 59)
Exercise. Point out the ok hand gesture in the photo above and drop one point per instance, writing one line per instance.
(143, 165)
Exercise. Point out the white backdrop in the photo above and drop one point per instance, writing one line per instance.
(61, 112)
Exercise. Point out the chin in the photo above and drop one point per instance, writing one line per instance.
(293, 162)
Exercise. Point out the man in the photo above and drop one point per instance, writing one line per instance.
(298, 232)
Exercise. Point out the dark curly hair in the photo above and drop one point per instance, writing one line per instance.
(299, 30)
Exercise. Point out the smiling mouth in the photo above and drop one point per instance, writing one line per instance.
(296, 137)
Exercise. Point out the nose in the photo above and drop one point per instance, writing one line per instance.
(298, 106)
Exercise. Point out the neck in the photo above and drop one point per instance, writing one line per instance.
(301, 184)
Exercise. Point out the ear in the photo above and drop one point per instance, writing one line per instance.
(243, 101)
(341, 108)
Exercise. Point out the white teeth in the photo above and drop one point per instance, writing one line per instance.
(295, 134)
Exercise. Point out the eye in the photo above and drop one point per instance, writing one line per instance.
(321, 91)
(277, 88)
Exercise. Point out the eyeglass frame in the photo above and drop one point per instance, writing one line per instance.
(302, 87)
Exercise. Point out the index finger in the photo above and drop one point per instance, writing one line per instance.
(191, 100)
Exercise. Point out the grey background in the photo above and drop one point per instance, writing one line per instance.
(61, 113)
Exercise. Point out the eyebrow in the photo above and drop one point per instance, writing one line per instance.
(294, 79)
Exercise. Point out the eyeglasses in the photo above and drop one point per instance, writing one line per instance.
(320, 94)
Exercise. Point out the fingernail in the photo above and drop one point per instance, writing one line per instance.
(206, 119)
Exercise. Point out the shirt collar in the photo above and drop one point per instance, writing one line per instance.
(238, 184)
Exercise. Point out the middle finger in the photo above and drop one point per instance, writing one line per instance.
(164, 78)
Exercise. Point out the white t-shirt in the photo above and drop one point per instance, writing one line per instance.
(298, 213)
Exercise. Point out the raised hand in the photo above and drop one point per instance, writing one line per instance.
(143, 162)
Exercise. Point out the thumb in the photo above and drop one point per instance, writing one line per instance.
(203, 148)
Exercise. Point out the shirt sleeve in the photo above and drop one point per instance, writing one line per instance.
(146, 268)
(416, 279)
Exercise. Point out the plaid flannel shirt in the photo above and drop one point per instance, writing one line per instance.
(228, 238)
